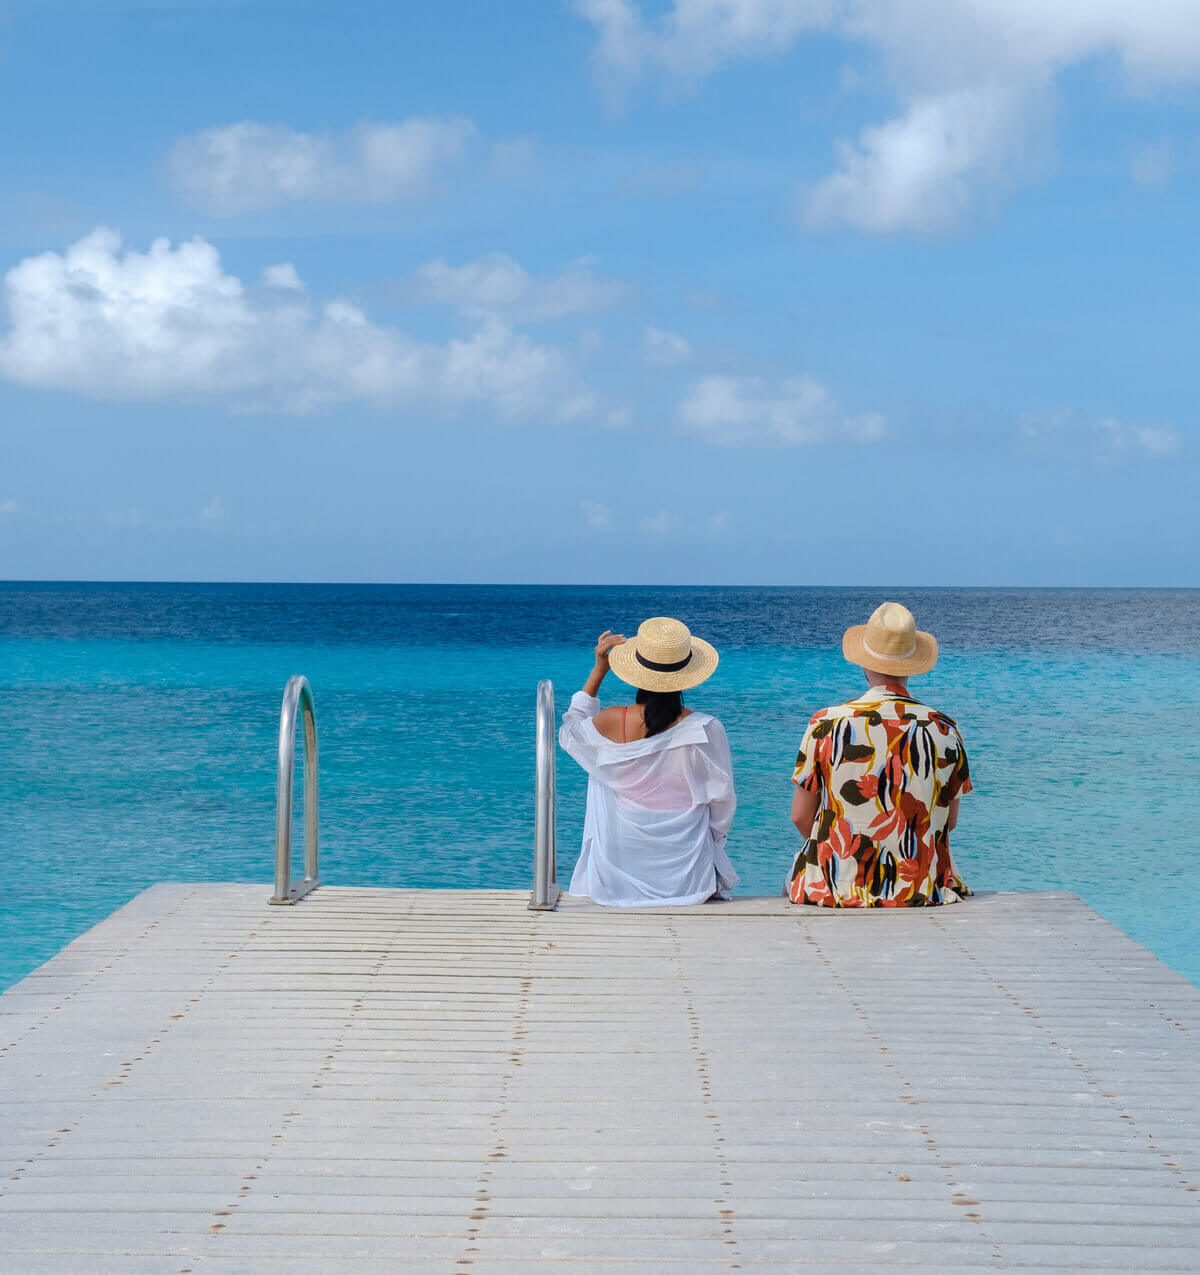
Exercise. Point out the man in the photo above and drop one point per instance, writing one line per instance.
(878, 782)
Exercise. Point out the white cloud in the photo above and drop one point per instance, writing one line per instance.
(664, 349)
(665, 523)
(1103, 440)
(974, 80)
(578, 407)
(9, 507)
(170, 322)
(922, 172)
(214, 511)
(1155, 40)
(596, 515)
(283, 276)
(695, 37)
(1153, 440)
(1151, 165)
(497, 284)
(735, 411)
(250, 165)
(660, 524)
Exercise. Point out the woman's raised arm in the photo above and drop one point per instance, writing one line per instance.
(605, 643)
(584, 704)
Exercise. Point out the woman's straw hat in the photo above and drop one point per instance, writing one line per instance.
(663, 657)
(890, 642)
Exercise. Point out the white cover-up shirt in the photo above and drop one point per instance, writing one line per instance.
(658, 811)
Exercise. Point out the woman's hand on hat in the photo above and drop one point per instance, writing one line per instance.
(604, 644)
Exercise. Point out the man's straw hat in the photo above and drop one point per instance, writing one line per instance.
(890, 642)
(663, 657)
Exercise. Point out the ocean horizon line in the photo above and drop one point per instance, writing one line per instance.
(59, 582)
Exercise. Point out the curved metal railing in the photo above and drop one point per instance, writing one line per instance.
(297, 697)
(545, 868)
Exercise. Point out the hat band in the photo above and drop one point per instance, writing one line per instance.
(879, 655)
(662, 668)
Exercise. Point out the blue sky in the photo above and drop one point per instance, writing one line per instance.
(712, 291)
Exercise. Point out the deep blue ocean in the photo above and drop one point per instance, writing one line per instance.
(140, 728)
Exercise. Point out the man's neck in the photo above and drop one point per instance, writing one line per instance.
(893, 685)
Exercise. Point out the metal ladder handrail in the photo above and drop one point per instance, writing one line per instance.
(545, 849)
(297, 696)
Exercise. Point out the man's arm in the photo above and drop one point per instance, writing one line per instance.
(960, 780)
(804, 809)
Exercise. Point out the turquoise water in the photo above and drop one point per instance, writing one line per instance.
(140, 735)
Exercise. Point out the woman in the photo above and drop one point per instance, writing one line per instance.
(660, 781)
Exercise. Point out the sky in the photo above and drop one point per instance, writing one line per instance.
(705, 292)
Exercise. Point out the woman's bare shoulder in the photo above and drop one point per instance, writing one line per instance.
(608, 723)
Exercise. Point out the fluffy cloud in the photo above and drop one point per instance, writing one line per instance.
(9, 507)
(170, 322)
(695, 37)
(922, 171)
(666, 523)
(664, 349)
(250, 165)
(283, 276)
(1155, 40)
(660, 524)
(1103, 440)
(733, 411)
(496, 284)
(596, 515)
(973, 78)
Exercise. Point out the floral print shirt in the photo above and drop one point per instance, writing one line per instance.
(887, 768)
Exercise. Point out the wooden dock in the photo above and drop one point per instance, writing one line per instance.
(442, 1081)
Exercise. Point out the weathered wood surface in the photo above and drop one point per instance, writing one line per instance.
(387, 1080)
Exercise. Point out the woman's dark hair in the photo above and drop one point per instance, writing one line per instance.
(660, 709)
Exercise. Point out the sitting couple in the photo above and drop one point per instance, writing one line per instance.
(877, 780)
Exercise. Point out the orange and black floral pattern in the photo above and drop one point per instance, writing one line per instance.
(887, 768)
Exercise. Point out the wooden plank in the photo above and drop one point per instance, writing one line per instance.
(442, 1080)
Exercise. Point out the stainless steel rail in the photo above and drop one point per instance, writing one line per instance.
(297, 696)
(545, 868)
